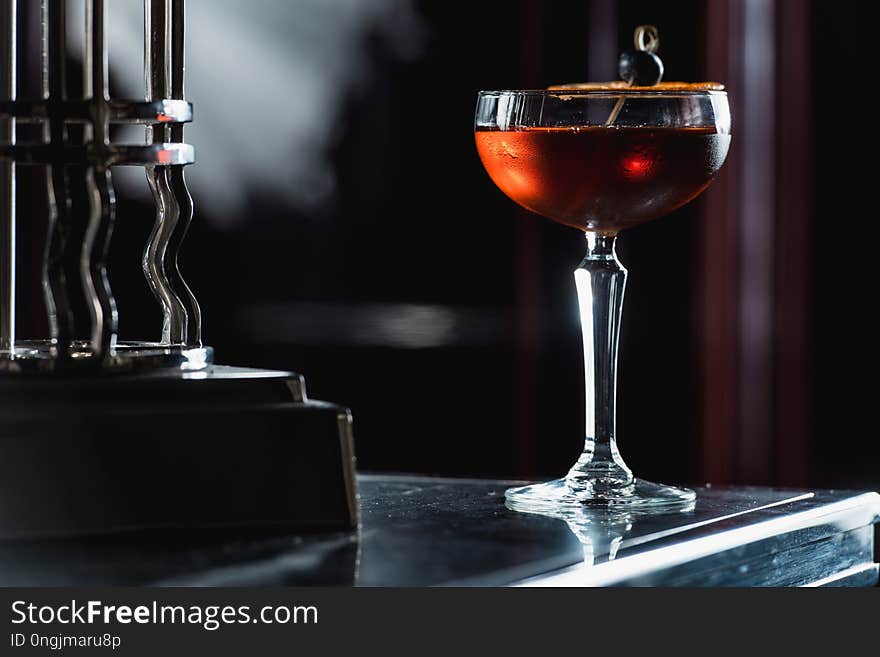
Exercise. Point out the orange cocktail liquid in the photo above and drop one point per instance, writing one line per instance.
(602, 178)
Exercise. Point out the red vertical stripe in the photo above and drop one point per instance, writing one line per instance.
(717, 273)
(793, 243)
(755, 249)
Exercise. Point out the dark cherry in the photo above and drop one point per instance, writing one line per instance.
(640, 68)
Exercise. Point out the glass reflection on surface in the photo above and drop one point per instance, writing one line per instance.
(601, 531)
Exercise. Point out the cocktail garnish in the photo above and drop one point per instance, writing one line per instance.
(641, 67)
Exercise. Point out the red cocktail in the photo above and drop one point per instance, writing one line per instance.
(601, 178)
(602, 158)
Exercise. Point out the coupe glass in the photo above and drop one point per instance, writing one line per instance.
(601, 161)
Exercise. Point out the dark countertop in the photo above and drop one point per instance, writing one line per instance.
(419, 531)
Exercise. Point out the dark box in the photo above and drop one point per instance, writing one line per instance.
(227, 447)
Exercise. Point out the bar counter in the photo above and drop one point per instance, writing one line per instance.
(427, 531)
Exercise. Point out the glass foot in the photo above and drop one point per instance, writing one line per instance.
(559, 494)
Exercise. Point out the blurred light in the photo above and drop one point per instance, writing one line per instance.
(268, 81)
(398, 326)
(637, 166)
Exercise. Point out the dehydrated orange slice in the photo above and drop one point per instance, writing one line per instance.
(620, 85)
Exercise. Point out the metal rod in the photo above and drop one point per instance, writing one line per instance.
(53, 52)
(178, 59)
(177, 181)
(179, 190)
(157, 65)
(77, 155)
(8, 44)
(102, 202)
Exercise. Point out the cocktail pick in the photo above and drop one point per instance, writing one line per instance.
(640, 67)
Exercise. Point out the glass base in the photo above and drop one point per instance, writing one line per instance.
(564, 494)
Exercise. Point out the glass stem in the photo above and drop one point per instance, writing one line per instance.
(600, 281)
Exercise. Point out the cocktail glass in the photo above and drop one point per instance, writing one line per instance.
(602, 160)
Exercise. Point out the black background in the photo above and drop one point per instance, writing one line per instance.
(416, 221)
